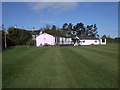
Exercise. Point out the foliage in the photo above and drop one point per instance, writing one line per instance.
(17, 36)
(68, 29)
(31, 42)
(80, 30)
(54, 28)
(111, 40)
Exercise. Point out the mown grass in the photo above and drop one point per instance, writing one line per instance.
(61, 67)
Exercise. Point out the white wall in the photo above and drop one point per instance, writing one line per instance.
(89, 42)
(102, 42)
(49, 39)
(64, 40)
(45, 39)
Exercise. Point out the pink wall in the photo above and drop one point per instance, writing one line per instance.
(45, 38)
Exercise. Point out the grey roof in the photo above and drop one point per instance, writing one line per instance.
(35, 32)
(88, 37)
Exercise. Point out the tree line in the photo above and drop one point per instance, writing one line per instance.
(111, 40)
(69, 29)
(15, 36)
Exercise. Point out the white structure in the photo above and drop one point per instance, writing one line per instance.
(45, 39)
(102, 41)
(89, 42)
(65, 40)
(92, 41)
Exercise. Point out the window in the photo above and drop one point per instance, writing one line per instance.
(95, 41)
(62, 40)
(83, 41)
(56, 39)
(103, 40)
(44, 39)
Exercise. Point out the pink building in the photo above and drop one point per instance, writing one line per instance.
(45, 39)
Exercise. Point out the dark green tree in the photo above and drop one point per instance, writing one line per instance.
(79, 27)
(69, 27)
(54, 28)
(65, 25)
(18, 36)
(94, 30)
(91, 30)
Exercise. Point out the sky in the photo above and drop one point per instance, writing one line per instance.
(60, 0)
(38, 14)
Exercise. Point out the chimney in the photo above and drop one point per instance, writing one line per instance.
(15, 26)
(33, 29)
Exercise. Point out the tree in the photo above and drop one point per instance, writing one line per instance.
(79, 27)
(91, 30)
(4, 42)
(94, 30)
(54, 28)
(69, 27)
(48, 26)
(18, 36)
(117, 40)
(65, 25)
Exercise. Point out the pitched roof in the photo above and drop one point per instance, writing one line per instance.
(88, 37)
(35, 32)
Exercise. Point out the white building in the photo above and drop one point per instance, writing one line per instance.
(64, 40)
(45, 39)
(103, 41)
(92, 41)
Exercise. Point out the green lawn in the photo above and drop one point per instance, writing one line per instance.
(61, 67)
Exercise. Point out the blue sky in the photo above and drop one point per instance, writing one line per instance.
(38, 14)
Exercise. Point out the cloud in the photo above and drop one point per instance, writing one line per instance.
(54, 7)
(45, 22)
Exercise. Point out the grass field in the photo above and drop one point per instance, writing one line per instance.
(61, 67)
